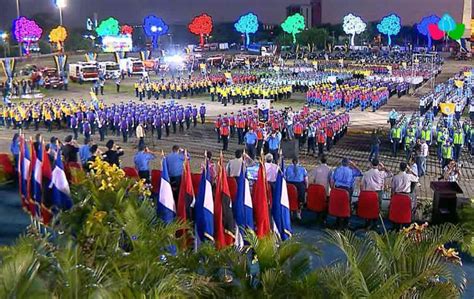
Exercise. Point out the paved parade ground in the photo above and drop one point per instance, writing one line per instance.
(355, 145)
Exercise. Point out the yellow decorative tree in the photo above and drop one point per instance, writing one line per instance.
(58, 35)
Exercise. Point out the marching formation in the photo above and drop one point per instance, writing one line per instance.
(125, 119)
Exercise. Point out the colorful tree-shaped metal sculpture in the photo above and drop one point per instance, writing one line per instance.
(108, 27)
(353, 25)
(446, 23)
(293, 25)
(58, 35)
(457, 33)
(423, 27)
(390, 25)
(126, 30)
(26, 31)
(201, 25)
(247, 24)
(154, 28)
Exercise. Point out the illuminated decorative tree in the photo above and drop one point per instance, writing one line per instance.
(247, 24)
(353, 25)
(108, 27)
(26, 31)
(457, 33)
(423, 27)
(201, 25)
(390, 25)
(154, 27)
(435, 33)
(293, 25)
(58, 35)
(126, 30)
(446, 23)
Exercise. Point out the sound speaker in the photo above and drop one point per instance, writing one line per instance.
(290, 149)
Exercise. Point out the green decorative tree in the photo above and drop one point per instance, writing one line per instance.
(293, 25)
(109, 26)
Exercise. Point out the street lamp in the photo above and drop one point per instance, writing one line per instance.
(4, 37)
(61, 4)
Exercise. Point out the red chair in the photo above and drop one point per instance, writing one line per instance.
(368, 206)
(399, 211)
(196, 178)
(131, 172)
(232, 182)
(293, 197)
(339, 203)
(6, 164)
(155, 180)
(316, 198)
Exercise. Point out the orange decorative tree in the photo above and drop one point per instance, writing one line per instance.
(58, 35)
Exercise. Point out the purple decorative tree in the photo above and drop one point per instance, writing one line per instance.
(423, 27)
(26, 31)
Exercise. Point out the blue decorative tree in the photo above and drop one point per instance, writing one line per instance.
(154, 27)
(423, 27)
(247, 24)
(390, 25)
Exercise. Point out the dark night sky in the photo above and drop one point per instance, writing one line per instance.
(269, 11)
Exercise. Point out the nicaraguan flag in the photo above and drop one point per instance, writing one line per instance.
(281, 207)
(25, 173)
(205, 208)
(61, 195)
(38, 178)
(243, 207)
(166, 207)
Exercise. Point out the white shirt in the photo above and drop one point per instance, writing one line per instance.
(401, 183)
(272, 171)
(320, 175)
(374, 179)
(424, 150)
(140, 132)
(234, 167)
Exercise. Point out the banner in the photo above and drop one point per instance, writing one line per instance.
(263, 109)
(90, 56)
(120, 43)
(447, 108)
(61, 61)
(145, 55)
(119, 56)
(8, 65)
(459, 83)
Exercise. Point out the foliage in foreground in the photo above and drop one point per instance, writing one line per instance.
(111, 245)
(466, 218)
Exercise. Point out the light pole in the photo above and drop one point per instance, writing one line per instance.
(4, 37)
(61, 4)
(18, 16)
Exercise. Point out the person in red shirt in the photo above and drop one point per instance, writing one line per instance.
(224, 135)
(321, 141)
(260, 137)
(298, 130)
(330, 136)
(232, 124)
(217, 125)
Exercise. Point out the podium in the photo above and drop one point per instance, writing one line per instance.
(445, 201)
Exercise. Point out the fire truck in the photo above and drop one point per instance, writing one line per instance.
(83, 72)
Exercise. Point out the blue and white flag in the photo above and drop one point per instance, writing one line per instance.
(205, 208)
(25, 171)
(281, 207)
(166, 207)
(242, 207)
(60, 186)
(38, 178)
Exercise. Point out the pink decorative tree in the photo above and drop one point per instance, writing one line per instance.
(26, 31)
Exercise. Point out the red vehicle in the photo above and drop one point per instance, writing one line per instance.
(50, 77)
